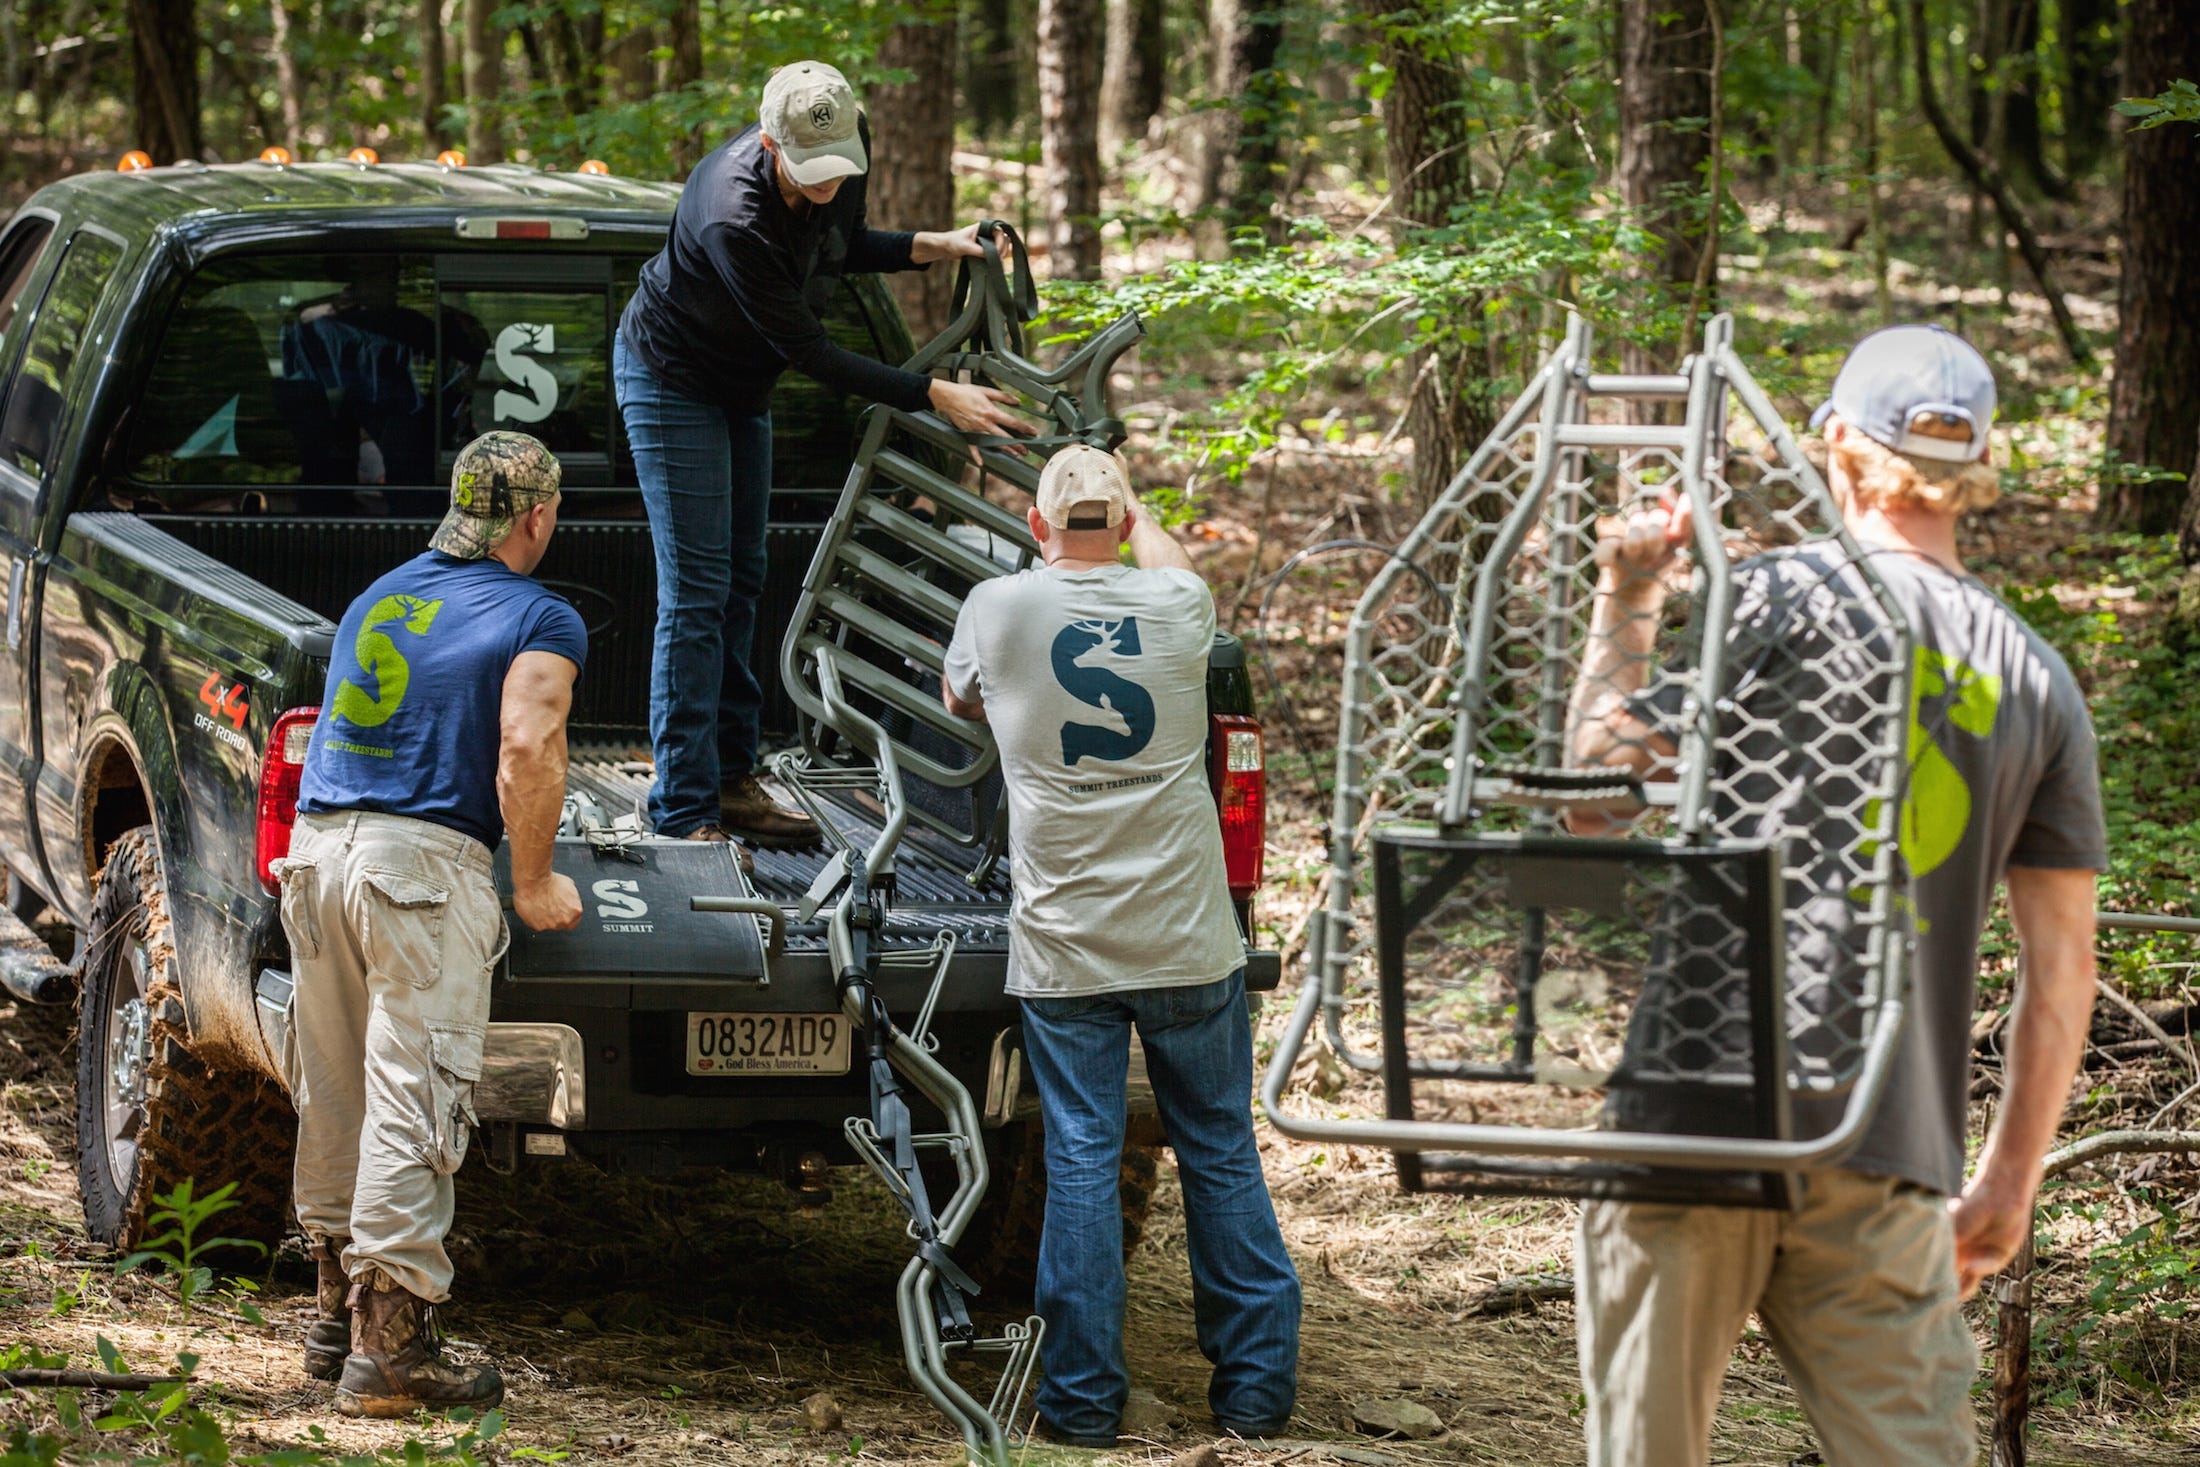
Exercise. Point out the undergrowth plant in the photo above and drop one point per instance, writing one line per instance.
(180, 1245)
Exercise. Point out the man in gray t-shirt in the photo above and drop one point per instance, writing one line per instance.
(1860, 1288)
(1093, 675)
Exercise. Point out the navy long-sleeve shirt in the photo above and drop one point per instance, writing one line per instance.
(735, 296)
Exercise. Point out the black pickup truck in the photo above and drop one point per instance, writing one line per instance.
(229, 398)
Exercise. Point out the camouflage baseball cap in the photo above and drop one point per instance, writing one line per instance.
(498, 477)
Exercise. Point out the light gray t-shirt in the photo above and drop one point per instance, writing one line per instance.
(2003, 772)
(1095, 684)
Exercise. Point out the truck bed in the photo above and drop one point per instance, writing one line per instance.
(931, 889)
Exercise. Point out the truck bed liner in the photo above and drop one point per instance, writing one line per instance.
(931, 892)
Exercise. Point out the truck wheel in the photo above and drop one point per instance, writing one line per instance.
(1001, 1245)
(149, 1114)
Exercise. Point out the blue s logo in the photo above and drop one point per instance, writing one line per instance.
(1128, 704)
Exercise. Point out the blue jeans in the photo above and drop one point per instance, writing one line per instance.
(1245, 1293)
(706, 478)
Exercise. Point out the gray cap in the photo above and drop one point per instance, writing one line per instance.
(1895, 374)
(810, 111)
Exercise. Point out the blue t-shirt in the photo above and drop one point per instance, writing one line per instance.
(411, 721)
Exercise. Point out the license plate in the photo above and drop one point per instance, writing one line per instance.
(769, 1044)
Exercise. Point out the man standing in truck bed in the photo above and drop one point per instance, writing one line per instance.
(766, 227)
(442, 731)
(1093, 675)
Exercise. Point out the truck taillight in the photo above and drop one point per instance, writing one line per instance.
(279, 774)
(1240, 778)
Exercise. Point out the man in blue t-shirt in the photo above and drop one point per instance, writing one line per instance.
(442, 733)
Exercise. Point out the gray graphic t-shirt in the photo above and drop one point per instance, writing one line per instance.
(1095, 684)
(2002, 771)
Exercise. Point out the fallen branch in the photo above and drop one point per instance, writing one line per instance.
(2115, 1143)
(1520, 1294)
(90, 1380)
(1987, 178)
(2139, 1016)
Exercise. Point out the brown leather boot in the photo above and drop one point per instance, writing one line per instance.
(751, 813)
(396, 1366)
(718, 833)
(328, 1338)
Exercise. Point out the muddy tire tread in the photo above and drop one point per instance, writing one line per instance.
(213, 1126)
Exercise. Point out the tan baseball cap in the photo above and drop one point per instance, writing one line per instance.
(498, 477)
(1084, 488)
(810, 111)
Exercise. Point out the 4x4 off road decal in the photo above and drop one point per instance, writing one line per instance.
(541, 396)
(223, 701)
(380, 660)
(1076, 653)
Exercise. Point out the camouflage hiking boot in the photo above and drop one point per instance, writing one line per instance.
(396, 1366)
(718, 833)
(748, 810)
(328, 1338)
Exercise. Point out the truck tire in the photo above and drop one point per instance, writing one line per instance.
(1000, 1248)
(149, 1114)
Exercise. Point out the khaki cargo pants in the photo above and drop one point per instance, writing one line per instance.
(394, 931)
(1857, 1291)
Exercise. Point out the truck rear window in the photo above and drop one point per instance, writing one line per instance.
(358, 370)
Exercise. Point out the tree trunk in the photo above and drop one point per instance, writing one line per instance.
(1426, 133)
(1666, 51)
(2086, 38)
(912, 158)
(1987, 180)
(1131, 88)
(435, 78)
(484, 68)
(286, 73)
(1071, 46)
(572, 64)
(1255, 133)
(684, 70)
(2154, 407)
(165, 82)
(993, 100)
(633, 70)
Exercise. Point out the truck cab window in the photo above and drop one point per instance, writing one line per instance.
(32, 416)
(305, 370)
(19, 253)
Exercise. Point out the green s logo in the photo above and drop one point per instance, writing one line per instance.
(1937, 808)
(379, 659)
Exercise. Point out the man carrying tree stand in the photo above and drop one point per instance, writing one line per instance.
(443, 732)
(764, 230)
(1860, 1289)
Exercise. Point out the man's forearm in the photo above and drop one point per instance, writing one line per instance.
(2053, 911)
(1153, 548)
(531, 792)
(1615, 663)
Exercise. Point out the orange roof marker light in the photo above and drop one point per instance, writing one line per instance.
(137, 160)
(277, 155)
(597, 167)
(363, 156)
(450, 158)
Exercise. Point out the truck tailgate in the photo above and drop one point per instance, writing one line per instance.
(931, 886)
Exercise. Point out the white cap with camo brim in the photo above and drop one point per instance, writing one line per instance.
(811, 112)
(1899, 372)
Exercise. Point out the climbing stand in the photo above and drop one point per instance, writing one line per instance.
(862, 662)
(1683, 982)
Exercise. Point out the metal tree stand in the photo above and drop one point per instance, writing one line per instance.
(1704, 997)
(862, 662)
